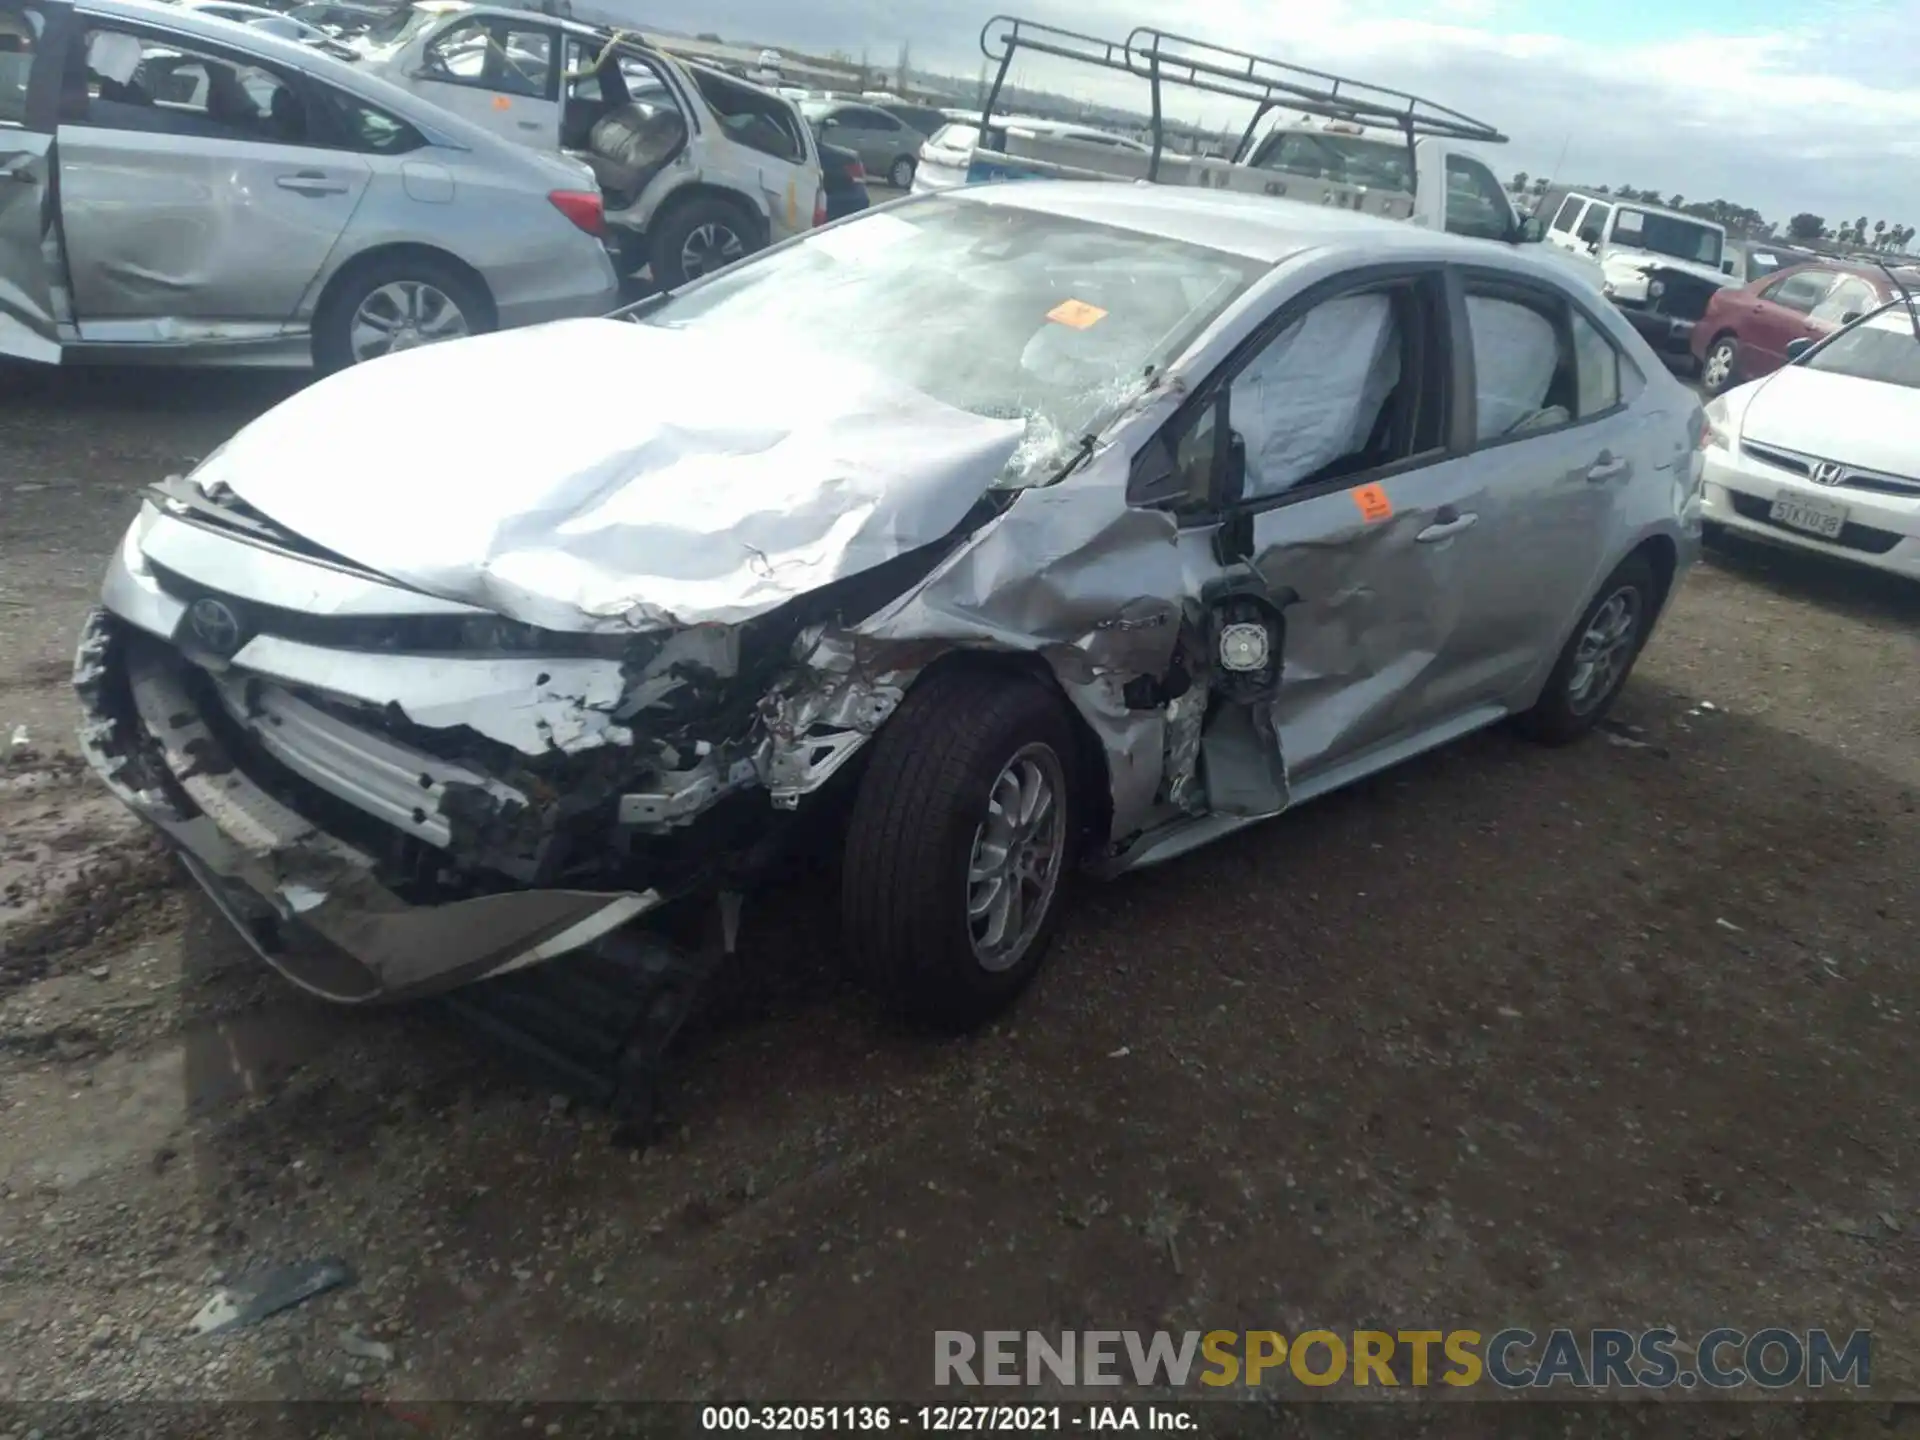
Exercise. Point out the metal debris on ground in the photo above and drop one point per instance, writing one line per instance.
(267, 1294)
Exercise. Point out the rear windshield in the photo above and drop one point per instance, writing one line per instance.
(992, 309)
(1347, 159)
(1882, 349)
(1668, 235)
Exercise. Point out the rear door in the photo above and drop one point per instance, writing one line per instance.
(197, 197)
(31, 36)
(1553, 445)
(1780, 313)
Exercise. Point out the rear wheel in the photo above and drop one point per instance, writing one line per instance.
(958, 846)
(1718, 366)
(395, 303)
(699, 237)
(901, 175)
(1599, 656)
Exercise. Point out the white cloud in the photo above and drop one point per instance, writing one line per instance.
(1827, 120)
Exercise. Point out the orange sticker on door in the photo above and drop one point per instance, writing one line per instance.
(501, 102)
(1374, 504)
(1077, 313)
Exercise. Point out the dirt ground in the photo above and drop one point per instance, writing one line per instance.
(1616, 1035)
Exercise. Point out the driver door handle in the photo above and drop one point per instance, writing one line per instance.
(1447, 521)
(310, 182)
(1607, 467)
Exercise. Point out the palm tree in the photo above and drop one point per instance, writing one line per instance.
(1860, 231)
(1674, 202)
(1879, 234)
(1519, 183)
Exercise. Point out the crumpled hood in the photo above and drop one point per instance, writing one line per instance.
(1836, 417)
(603, 475)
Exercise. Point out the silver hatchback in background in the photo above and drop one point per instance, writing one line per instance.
(189, 190)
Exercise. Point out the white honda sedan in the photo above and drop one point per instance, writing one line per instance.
(1824, 454)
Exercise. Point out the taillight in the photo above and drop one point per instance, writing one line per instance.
(820, 206)
(583, 208)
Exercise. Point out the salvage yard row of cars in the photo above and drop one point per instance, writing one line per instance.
(1126, 516)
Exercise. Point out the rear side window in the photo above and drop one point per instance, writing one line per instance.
(147, 84)
(355, 125)
(1538, 363)
(1568, 213)
(20, 28)
(1852, 296)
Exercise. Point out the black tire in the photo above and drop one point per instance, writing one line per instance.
(900, 175)
(1567, 710)
(706, 224)
(1728, 377)
(333, 319)
(924, 801)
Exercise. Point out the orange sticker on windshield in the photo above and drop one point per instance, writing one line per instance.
(1373, 503)
(501, 102)
(1077, 313)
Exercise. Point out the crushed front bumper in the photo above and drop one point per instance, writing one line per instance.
(308, 902)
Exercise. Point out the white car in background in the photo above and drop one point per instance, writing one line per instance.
(1824, 454)
(949, 151)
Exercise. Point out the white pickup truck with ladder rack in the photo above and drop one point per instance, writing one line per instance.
(1356, 146)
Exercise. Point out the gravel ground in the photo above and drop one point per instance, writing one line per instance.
(1616, 1035)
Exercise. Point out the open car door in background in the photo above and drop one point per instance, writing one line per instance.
(30, 37)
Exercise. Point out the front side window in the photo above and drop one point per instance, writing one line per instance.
(1476, 205)
(159, 86)
(494, 55)
(1882, 349)
(1801, 290)
(991, 309)
(1313, 404)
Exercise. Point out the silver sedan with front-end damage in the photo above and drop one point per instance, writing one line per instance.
(977, 538)
(188, 190)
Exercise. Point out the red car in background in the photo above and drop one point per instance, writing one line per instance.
(1746, 328)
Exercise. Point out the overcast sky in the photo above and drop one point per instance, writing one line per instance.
(1779, 104)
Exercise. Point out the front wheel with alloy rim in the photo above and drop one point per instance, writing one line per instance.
(393, 305)
(901, 175)
(698, 238)
(1598, 657)
(1716, 370)
(958, 845)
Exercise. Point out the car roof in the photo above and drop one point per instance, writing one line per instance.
(1258, 227)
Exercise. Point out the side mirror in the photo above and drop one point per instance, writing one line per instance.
(1797, 348)
(1726, 267)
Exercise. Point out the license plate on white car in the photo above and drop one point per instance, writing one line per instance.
(1809, 514)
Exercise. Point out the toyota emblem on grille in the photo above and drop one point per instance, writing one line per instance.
(215, 626)
(1828, 473)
